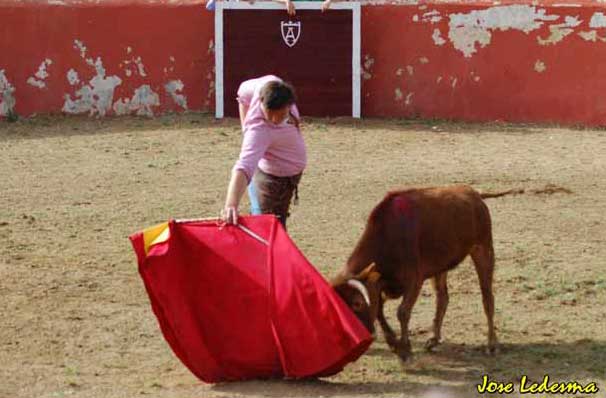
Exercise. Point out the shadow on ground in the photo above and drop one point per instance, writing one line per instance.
(323, 388)
(452, 372)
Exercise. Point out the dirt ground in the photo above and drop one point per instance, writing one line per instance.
(76, 320)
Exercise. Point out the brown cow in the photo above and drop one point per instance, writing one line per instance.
(411, 236)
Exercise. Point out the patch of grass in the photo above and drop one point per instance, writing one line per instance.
(71, 371)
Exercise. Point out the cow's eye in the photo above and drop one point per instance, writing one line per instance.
(357, 306)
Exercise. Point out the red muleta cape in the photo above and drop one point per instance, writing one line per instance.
(233, 307)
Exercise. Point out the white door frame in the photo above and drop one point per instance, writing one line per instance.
(300, 5)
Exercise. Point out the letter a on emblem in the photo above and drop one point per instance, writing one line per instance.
(290, 32)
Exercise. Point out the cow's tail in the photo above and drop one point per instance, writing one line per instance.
(488, 195)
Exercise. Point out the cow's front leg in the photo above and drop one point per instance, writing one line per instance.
(411, 293)
(441, 288)
(390, 335)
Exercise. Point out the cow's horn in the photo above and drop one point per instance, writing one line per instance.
(359, 286)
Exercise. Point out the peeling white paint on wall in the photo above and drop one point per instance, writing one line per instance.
(141, 103)
(211, 76)
(144, 99)
(96, 97)
(42, 73)
(408, 100)
(211, 87)
(453, 82)
(519, 17)
(467, 30)
(138, 66)
(591, 35)
(38, 80)
(432, 17)
(122, 106)
(36, 83)
(7, 99)
(398, 94)
(211, 92)
(368, 63)
(133, 65)
(78, 45)
(539, 66)
(410, 69)
(173, 88)
(424, 60)
(560, 31)
(598, 20)
(84, 102)
(99, 67)
(72, 77)
(437, 38)
(171, 68)
(439, 79)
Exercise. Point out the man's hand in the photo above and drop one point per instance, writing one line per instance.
(290, 8)
(230, 215)
(235, 190)
(326, 5)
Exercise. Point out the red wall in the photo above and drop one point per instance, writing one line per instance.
(529, 64)
(524, 76)
(31, 33)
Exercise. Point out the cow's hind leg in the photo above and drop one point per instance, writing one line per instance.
(441, 288)
(483, 259)
(411, 293)
(390, 335)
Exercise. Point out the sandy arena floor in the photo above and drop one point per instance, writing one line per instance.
(76, 321)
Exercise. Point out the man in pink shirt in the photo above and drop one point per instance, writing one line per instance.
(273, 154)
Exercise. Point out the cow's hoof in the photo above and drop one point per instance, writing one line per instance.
(391, 341)
(432, 343)
(404, 352)
(405, 357)
(493, 350)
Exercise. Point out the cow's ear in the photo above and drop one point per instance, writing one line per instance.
(373, 277)
(369, 274)
(341, 278)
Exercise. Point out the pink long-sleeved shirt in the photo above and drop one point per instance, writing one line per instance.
(275, 149)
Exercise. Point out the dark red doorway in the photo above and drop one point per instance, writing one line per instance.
(314, 51)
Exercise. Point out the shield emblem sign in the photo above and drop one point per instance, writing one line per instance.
(291, 31)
